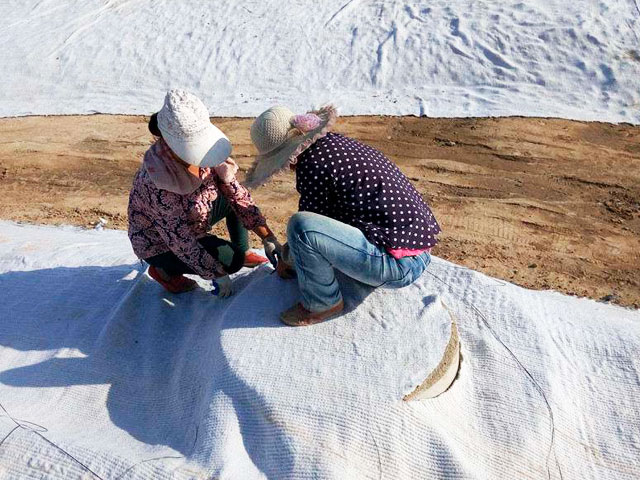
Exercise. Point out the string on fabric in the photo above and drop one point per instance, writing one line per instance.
(8, 434)
(29, 427)
(39, 429)
(145, 461)
(524, 369)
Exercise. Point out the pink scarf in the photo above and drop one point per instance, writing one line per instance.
(162, 166)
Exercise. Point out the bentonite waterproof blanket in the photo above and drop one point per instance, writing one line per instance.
(104, 375)
(439, 58)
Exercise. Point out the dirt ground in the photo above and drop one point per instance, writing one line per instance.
(546, 204)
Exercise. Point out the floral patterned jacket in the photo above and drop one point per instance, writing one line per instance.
(162, 221)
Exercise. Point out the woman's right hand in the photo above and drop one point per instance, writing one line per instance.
(272, 249)
(227, 170)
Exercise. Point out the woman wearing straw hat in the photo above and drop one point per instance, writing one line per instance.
(186, 183)
(358, 213)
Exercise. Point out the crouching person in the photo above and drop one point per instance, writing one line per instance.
(186, 183)
(359, 214)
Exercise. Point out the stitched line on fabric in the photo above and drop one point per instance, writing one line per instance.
(342, 243)
(533, 380)
(426, 265)
(298, 259)
(346, 245)
(29, 426)
(144, 461)
(26, 426)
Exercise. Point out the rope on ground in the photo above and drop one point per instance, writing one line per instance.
(524, 369)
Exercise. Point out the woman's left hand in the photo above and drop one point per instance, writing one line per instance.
(223, 287)
(227, 170)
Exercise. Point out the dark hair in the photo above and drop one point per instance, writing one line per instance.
(153, 125)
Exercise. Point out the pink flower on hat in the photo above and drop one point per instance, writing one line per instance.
(307, 122)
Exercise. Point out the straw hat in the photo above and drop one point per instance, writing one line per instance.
(280, 136)
(186, 127)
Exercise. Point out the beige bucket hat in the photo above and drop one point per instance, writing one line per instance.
(280, 136)
(186, 127)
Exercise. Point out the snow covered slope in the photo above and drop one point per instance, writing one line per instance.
(576, 59)
(103, 375)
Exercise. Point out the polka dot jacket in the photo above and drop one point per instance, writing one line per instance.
(353, 183)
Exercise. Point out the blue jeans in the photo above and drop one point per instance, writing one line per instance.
(318, 244)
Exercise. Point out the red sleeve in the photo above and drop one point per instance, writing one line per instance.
(242, 204)
(171, 224)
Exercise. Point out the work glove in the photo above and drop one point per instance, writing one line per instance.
(226, 171)
(286, 254)
(272, 249)
(285, 268)
(222, 286)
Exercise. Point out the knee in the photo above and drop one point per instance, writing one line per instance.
(237, 259)
(299, 224)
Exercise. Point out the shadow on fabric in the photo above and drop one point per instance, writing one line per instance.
(159, 353)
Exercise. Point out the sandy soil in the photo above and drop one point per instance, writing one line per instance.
(547, 204)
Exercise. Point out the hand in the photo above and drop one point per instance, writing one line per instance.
(286, 254)
(272, 249)
(223, 287)
(227, 170)
(285, 269)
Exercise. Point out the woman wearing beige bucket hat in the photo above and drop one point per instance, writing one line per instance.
(186, 184)
(358, 213)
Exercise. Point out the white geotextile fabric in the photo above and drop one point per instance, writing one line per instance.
(441, 58)
(103, 375)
